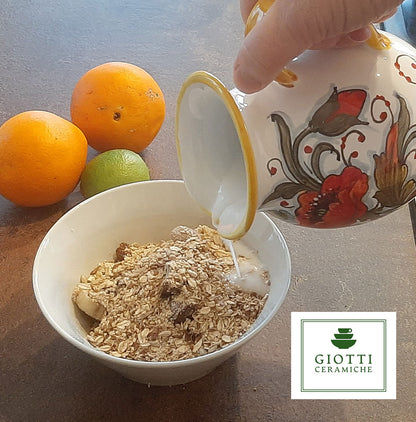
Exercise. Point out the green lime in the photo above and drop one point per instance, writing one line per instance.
(112, 168)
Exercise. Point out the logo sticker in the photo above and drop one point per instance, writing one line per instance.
(343, 355)
(343, 339)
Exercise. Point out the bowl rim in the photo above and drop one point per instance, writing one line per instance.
(92, 351)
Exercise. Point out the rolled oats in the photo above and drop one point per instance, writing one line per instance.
(169, 300)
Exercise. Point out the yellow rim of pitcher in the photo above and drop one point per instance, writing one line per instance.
(240, 126)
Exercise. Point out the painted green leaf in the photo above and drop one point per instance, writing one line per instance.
(404, 123)
(285, 141)
(316, 156)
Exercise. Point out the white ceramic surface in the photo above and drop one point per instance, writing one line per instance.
(336, 149)
(139, 212)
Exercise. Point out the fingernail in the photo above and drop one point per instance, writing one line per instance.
(245, 80)
(360, 35)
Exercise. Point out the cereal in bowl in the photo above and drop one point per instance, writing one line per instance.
(170, 300)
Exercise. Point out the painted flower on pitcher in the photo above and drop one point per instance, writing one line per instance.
(391, 171)
(337, 204)
(322, 199)
(339, 113)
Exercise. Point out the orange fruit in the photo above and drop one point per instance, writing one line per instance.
(42, 157)
(118, 106)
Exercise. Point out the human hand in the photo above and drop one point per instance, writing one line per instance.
(292, 26)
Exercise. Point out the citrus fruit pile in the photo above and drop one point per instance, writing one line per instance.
(116, 108)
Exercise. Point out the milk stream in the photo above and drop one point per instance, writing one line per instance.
(249, 274)
(227, 212)
(229, 244)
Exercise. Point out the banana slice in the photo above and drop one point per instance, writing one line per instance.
(86, 304)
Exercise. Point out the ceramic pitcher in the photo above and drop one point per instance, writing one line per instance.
(330, 145)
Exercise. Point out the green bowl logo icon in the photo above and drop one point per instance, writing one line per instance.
(343, 339)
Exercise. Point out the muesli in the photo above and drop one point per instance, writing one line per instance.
(169, 300)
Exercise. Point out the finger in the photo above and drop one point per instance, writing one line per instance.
(292, 26)
(386, 16)
(346, 40)
(246, 6)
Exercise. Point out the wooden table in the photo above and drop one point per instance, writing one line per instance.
(45, 47)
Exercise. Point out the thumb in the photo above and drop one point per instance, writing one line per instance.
(293, 26)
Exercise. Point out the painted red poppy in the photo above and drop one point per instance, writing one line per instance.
(339, 202)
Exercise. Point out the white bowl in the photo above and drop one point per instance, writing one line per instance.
(140, 212)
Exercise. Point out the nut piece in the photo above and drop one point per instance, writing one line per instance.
(168, 290)
(122, 251)
(87, 305)
(181, 311)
